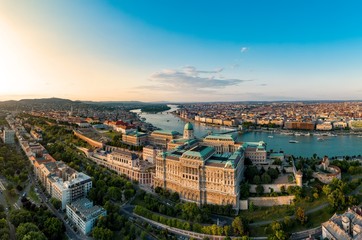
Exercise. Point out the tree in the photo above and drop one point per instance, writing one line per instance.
(287, 221)
(326, 190)
(244, 190)
(265, 178)
(315, 195)
(238, 226)
(34, 236)
(300, 215)
(256, 179)
(251, 206)
(114, 193)
(20, 216)
(337, 199)
(273, 173)
(250, 172)
(53, 228)
(56, 203)
(227, 230)
(102, 233)
(24, 228)
(277, 232)
(248, 162)
(259, 189)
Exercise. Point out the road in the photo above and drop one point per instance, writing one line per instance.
(71, 234)
(6, 206)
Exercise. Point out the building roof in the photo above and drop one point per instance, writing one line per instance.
(229, 137)
(199, 152)
(258, 145)
(335, 226)
(226, 160)
(166, 132)
(188, 126)
(85, 209)
(137, 133)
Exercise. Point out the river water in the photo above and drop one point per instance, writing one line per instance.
(340, 145)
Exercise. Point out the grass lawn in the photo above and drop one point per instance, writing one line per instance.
(314, 220)
(309, 205)
(32, 195)
(257, 231)
(111, 134)
(271, 213)
(268, 213)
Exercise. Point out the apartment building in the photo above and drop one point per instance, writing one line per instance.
(83, 214)
(8, 136)
(63, 182)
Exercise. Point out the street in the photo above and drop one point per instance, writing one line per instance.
(71, 234)
(6, 206)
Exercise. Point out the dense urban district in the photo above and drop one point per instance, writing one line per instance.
(90, 170)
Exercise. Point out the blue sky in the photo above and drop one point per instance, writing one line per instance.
(181, 50)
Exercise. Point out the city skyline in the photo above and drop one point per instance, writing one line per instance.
(180, 52)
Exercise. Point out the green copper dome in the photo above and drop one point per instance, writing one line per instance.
(188, 126)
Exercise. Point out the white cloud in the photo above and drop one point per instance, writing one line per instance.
(190, 79)
(244, 49)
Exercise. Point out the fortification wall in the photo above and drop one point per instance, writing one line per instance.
(272, 201)
(335, 172)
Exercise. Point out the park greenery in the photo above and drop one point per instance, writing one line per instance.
(13, 166)
(255, 176)
(155, 108)
(237, 228)
(57, 204)
(337, 193)
(109, 189)
(4, 227)
(34, 222)
(167, 203)
(116, 141)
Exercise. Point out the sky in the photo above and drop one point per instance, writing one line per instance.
(181, 51)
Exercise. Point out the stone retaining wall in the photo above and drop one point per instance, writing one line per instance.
(272, 201)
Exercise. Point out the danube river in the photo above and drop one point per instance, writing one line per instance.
(306, 146)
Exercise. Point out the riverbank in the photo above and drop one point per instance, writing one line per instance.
(345, 143)
(328, 133)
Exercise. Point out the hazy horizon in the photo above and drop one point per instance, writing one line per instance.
(177, 102)
(180, 51)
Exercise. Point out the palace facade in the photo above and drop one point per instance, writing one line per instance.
(201, 175)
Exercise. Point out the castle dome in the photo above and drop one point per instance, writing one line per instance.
(188, 126)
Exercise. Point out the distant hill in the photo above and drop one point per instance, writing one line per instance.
(115, 102)
(48, 100)
(66, 104)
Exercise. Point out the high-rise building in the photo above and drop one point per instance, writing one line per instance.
(8, 136)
